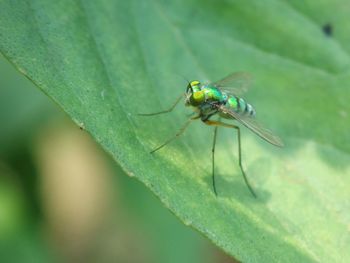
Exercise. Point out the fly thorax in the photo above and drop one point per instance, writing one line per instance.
(213, 94)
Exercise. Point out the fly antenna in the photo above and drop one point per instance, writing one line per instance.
(184, 78)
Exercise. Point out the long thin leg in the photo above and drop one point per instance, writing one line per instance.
(218, 123)
(183, 128)
(213, 159)
(240, 161)
(164, 111)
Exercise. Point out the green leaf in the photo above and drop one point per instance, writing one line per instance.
(105, 61)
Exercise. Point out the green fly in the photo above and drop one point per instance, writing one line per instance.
(221, 98)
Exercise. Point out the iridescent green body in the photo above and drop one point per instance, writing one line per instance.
(207, 98)
(221, 99)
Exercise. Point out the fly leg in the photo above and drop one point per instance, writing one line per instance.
(181, 131)
(213, 159)
(164, 111)
(222, 124)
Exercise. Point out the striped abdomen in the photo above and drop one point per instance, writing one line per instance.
(240, 106)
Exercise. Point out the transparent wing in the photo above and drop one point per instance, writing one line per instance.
(254, 126)
(234, 84)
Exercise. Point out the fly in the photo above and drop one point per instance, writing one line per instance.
(221, 98)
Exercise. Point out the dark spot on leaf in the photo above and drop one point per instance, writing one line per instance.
(328, 29)
(82, 126)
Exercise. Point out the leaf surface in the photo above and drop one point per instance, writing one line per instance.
(105, 61)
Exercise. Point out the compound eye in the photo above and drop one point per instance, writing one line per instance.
(194, 83)
(198, 96)
(189, 88)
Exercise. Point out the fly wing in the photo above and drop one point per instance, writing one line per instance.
(234, 84)
(254, 126)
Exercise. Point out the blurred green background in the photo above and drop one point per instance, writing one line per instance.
(63, 200)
